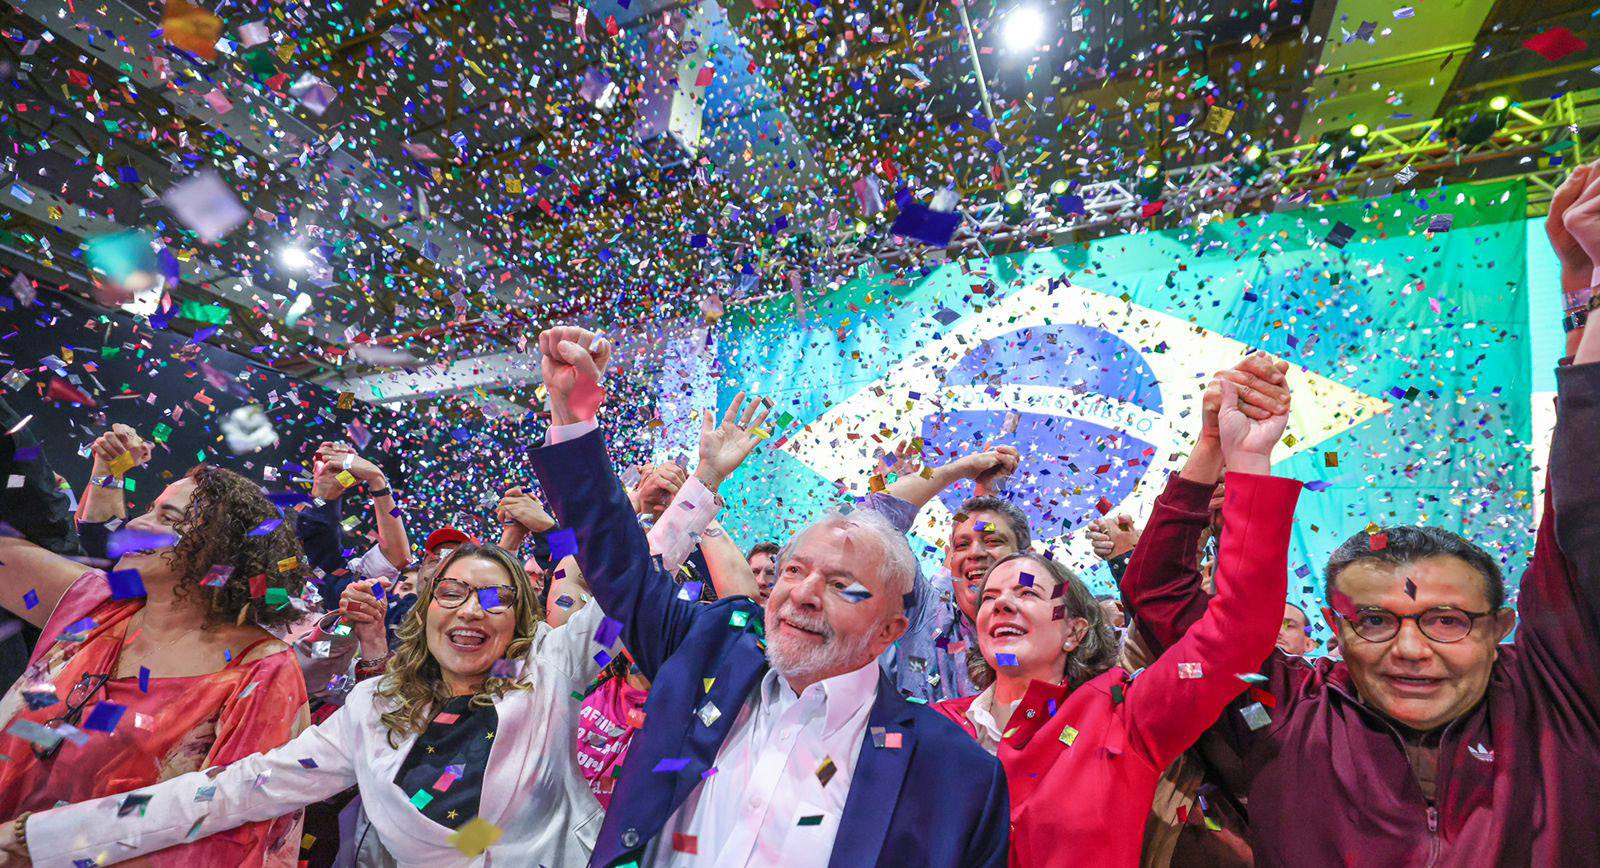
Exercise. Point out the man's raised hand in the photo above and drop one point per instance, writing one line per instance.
(574, 362)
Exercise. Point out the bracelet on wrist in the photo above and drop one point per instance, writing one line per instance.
(1574, 320)
(382, 492)
(19, 828)
(106, 480)
(1582, 298)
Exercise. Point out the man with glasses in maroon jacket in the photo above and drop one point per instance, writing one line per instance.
(1431, 742)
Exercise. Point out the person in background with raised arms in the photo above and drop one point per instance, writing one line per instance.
(930, 661)
(1433, 741)
(795, 750)
(336, 469)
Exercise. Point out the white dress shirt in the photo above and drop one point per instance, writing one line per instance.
(782, 779)
(991, 729)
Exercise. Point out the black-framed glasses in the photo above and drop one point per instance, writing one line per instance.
(1441, 623)
(451, 593)
(87, 687)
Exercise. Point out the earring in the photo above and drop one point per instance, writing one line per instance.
(1069, 646)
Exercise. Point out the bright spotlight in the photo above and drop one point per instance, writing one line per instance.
(1059, 187)
(1023, 28)
(1013, 196)
(1360, 131)
(1500, 103)
(294, 257)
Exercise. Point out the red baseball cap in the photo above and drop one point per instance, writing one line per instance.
(444, 536)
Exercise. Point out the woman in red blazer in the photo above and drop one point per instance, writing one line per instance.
(1082, 741)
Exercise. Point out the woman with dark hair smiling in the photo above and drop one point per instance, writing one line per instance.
(1082, 741)
(162, 668)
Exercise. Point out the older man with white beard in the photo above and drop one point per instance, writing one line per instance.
(770, 737)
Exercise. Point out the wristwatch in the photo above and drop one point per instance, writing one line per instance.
(1579, 304)
(106, 480)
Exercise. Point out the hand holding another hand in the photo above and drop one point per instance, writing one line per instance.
(1112, 537)
(522, 509)
(112, 445)
(1246, 441)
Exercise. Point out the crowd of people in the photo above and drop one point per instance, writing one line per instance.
(614, 682)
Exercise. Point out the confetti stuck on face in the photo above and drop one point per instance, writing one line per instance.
(855, 593)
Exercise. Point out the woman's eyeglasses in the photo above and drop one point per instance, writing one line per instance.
(451, 593)
(1441, 623)
(87, 687)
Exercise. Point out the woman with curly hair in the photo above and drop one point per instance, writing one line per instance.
(462, 751)
(161, 668)
(1083, 742)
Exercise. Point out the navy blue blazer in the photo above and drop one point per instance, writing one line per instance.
(938, 800)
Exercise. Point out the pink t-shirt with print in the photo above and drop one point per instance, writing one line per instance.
(606, 724)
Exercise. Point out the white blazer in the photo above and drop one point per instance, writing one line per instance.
(533, 789)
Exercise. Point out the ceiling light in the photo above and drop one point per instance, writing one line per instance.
(1023, 28)
(295, 257)
(1359, 131)
(1500, 103)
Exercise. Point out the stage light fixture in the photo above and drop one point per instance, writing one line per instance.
(1151, 184)
(1343, 148)
(1014, 196)
(1023, 28)
(1475, 123)
(1059, 187)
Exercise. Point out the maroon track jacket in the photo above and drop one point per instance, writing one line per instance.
(1327, 781)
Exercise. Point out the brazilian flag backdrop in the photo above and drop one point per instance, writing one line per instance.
(1404, 320)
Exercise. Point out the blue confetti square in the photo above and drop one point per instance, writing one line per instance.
(608, 631)
(125, 584)
(1005, 659)
(562, 543)
(105, 717)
